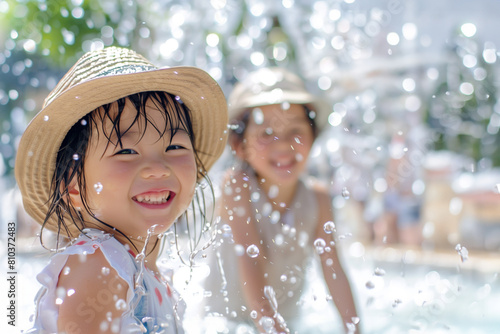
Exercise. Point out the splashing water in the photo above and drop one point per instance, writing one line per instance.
(270, 294)
(329, 227)
(139, 288)
(463, 252)
(226, 231)
(253, 251)
(267, 324)
(345, 193)
(275, 217)
(320, 245)
(98, 187)
(221, 269)
(273, 191)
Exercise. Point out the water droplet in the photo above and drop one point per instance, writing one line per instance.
(266, 209)
(83, 122)
(255, 196)
(45, 118)
(66, 270)
(253, 314)
(60, 293)
(267, 324)
(253, 251)
(329, 227)
(279, 239)
(104, 326)
(463, 252)
(283, 278)
(258, 116)
(105, 271)
(71, 292)
(226, 230)
(370, 285)
(121, 305)
(275, 217)
(345, 193)
(76, 157)
(273, 191)
(320, 245)
(98, 187)
(379, 272)
(239, 250)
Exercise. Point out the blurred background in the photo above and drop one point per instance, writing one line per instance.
(411, 151)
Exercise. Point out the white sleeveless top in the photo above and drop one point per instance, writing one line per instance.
(288, 242)
(151, 307)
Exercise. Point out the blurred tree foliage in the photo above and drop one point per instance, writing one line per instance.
(463, 111)
(62, 29)
(39, 40)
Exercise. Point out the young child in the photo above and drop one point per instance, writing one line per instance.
(111, 162)
(277, 218)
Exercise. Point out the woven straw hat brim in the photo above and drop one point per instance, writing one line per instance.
(253, 92)
(38, 148)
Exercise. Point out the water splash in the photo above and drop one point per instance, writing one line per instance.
(463, 252)
(98, 187)
(329, 227)
(222, 273)
(345, 193)
(320, 244)
(273, 191)
(270, 294)
(253, 251)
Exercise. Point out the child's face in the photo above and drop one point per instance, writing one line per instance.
(277, 143)
(148, 181)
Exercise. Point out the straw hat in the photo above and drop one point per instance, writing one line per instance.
(275, 85)
(101, 77)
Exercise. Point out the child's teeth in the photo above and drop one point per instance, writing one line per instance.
(153, 199)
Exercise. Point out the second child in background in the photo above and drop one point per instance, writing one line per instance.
(274, 218)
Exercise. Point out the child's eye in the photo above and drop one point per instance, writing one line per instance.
(174, 147)
(126, 151)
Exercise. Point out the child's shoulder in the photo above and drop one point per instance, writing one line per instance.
(90, 284)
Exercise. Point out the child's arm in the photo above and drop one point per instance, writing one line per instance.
(335, 276)
(245, 233)
(94, 296)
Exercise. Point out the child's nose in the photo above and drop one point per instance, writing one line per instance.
(155, 170)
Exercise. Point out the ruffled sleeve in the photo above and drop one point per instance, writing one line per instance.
(47, 298)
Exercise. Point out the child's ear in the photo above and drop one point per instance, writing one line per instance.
(238, 147)
(74, 194)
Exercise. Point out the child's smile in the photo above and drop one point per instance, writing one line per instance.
(154, 198)
(148, 179)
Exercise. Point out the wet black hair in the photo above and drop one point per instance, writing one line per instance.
(70, 162)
